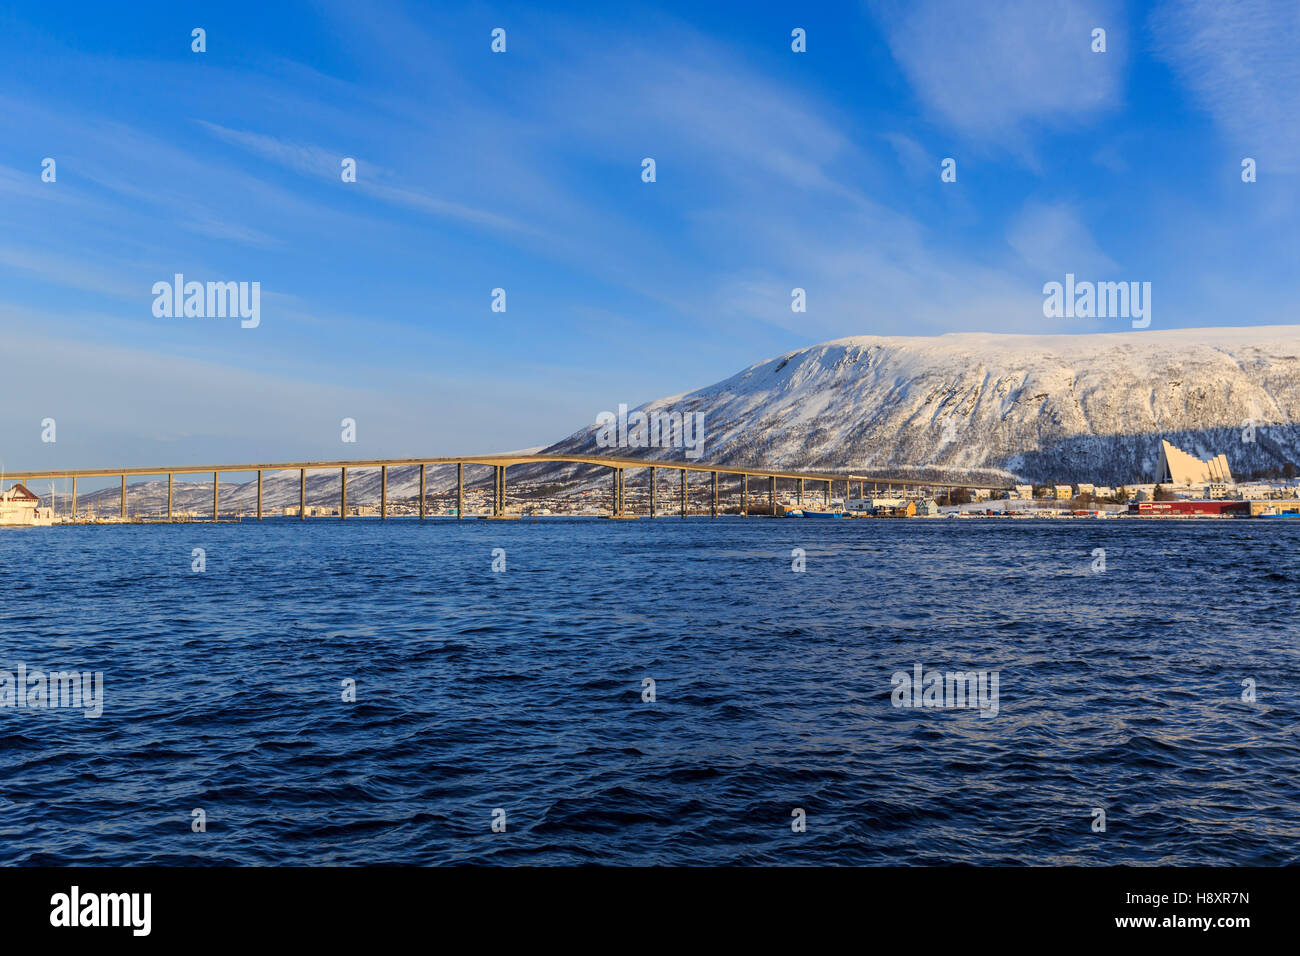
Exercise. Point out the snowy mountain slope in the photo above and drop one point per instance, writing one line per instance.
(1037, 407)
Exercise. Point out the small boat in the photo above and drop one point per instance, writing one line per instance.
(822, 514)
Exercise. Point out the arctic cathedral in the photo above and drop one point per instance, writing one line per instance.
(1179, 468)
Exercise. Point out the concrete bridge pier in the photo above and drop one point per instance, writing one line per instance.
(771, 495)
(215, 489)
(620, 494)
(801, 491)
(123, 502)
(713, 510)
(744, 496)
(170, 479)
(460, 490)
(383, 492)
(259, 494)
(684, 505)
(499, 502)
(343, 497)
(654, 492)
(422, 492)
(74, 498)
(302, 494)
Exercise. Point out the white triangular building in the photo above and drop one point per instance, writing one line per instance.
(1179, 468)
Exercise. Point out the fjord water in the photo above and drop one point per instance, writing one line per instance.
(522, 690)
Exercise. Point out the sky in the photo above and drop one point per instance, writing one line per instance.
(523, 170)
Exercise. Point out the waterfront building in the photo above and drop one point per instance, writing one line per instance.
(1273, 509)
(19, 506)
(1190, 508)
(1177, 467)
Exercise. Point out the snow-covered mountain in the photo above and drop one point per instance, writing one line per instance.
(1035, 407)
(963, 406)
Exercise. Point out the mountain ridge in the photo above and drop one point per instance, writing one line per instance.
(1063, 407)
(1023, 407)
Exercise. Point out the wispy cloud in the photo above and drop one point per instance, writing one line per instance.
(28, 185)
(991, 70)
(62, 270)
(312, 160)
(327, 164)
(1051, 238)
(1241, 61)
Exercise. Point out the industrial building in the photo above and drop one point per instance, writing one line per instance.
(1190, 508)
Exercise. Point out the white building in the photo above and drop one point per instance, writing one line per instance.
(18, 506)
(1176, 467)
(1257, 489)
(869, 505)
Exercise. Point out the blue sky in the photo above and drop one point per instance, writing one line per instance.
(522, 171)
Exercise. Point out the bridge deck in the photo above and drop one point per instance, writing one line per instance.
(493, 460)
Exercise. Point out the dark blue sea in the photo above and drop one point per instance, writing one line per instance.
(520, 692)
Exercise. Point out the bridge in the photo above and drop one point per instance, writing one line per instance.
(824, 481)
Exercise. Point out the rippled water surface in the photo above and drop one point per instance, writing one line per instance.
(522, 690)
